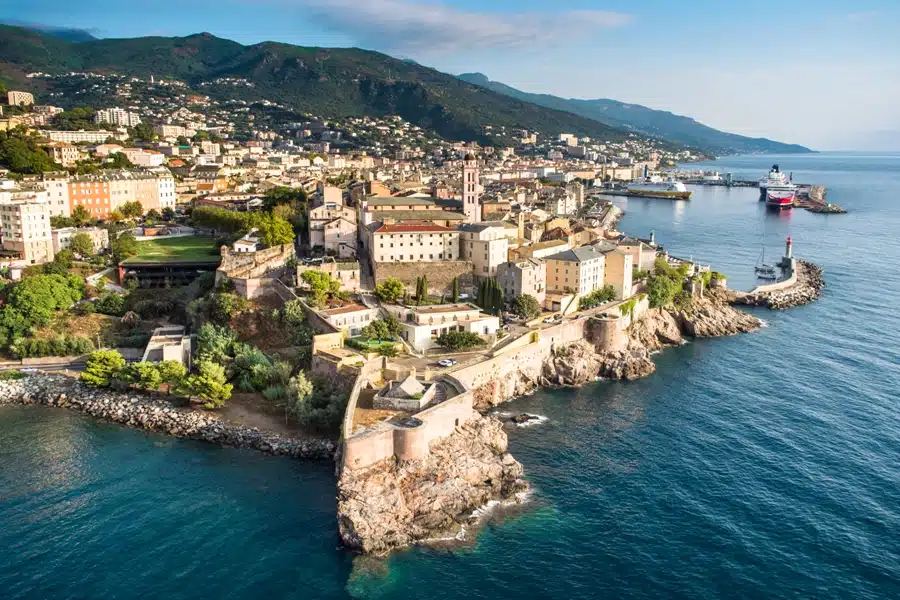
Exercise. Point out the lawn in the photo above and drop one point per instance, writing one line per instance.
(188, 248)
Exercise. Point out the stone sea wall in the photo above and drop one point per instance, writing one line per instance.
(807, 287)
(156, 414)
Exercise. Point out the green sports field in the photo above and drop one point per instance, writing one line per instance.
(189, 248)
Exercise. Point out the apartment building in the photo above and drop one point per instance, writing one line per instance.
(412, 242)
(144, 158)
(19, 98)
(57, 187)
(332, 225)
(522, 277)
(63, 153)
(26, 230)
(117, 116)
(423, 325)
(351, 318)
(76, 137)
(485, 245)
(62, 238)
(579, 271)
(103, 193)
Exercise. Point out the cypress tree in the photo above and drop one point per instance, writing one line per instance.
(424, 287)
(455, 289)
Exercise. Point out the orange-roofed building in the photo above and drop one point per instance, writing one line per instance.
(412, 241)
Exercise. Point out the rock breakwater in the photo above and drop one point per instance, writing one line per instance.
(395, 504)
(155, 414)
(808, 287)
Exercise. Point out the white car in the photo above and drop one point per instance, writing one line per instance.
(550, 320)
(447, 362)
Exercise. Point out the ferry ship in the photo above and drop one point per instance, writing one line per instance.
(780, 199)
(775, 181)
(656, 187)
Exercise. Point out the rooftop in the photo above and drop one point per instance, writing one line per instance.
(418, 227)
(350, 308)
(445, 308)
(582, 254)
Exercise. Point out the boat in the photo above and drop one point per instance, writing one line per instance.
(656, 187)
(763, 270)
(780, 199)
(777, 190)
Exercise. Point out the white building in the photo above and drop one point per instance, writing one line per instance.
(62, 238)
(485, 245)
(26, 229)
(412, 241)
(75, 137)
(351, 318)
(423, 325)
(117, 116)
(19, 98)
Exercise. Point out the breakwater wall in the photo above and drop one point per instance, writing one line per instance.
(156, 414)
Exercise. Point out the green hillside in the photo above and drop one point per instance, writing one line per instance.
(321, 81)
(647, 121)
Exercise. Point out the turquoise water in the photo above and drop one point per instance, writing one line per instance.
(760, 466)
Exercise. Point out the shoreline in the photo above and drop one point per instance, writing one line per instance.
(140, 411)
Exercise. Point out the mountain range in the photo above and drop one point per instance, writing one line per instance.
(336, 82)
(647, 121)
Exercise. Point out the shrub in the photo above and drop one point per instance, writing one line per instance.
(388, 351)
(390, 290)
(208, 383)
(459, 340)
(111, 304)
(84, 308)
(224, 306)
(605, 294)
(101, 367)
(12, 375)
(526, 307)
(57, 346)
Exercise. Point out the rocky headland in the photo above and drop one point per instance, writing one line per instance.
(808, 287)
(395, 504)
(155, 414)
(580, 362)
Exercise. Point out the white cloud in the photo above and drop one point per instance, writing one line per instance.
(405, 26)
(861, 16)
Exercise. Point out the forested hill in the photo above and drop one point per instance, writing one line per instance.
(321, 81)
(656, 123)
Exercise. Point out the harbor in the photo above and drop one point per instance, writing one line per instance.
(777, 190)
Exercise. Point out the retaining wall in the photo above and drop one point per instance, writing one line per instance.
(778, 285)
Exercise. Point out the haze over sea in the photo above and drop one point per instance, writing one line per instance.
(760, 466)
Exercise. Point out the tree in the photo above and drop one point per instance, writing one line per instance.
(144, 375)
(459, 340)
(118, 160)
(224, 306)
(20, 152)
(82, 244)
(275, 231)
(142, 132)
(455, 293)
(115, 216)
(322, 285)
(172, 373)
(168, 214)
(61, 222)
(208, 383)
(299, 390)
(81, 217)
(132, 210)
(123, 246)
(153, 215)
(390, 290)
(101, 367)
(526, 307)
(601, 296)
(38, 297)
(215, 344)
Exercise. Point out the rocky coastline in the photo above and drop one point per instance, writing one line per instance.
(396, 504)
(580, 362)
(808, 288)
(156, 414)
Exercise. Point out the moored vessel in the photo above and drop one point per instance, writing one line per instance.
(780, 199)
(656, 187)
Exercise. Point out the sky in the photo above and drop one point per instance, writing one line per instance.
(822, 73)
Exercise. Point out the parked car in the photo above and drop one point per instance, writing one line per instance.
(447, 362)
(550, 320)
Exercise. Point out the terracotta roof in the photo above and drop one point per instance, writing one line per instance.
(414, 227)
(345, 309)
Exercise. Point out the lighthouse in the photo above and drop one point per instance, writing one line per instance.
(788, 250)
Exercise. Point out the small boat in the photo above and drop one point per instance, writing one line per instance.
(763, 270)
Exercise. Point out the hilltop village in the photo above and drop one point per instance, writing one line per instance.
(358, 280)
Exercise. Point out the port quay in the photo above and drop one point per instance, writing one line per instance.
(808, 196)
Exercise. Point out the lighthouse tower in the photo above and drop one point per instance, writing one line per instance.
(788, 250)
(471, 194)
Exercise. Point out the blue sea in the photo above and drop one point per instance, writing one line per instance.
(762, 466)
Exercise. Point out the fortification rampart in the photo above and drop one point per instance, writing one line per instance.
(440, 274)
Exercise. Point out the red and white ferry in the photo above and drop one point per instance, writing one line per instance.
(777, 190)
(780, 199)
